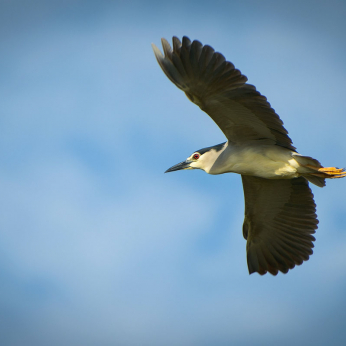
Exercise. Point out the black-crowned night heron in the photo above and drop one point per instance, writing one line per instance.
(280, 213)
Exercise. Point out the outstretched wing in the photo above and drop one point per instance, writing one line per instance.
(280, 218)
(220, 90)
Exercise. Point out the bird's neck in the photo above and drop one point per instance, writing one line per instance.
(215, 160)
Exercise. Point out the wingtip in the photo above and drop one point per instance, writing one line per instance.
(256, 271)
(251, 268)
(164, 41)
(157, 52)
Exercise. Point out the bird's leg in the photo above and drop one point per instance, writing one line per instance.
(328, 172)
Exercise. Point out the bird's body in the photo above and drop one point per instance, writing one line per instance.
(263, 161)
(280, 213)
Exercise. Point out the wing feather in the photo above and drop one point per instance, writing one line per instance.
(219, 89)
(280, 218)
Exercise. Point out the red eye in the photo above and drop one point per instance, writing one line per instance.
(196, 156)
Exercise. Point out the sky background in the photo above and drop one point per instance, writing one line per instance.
(97, 245)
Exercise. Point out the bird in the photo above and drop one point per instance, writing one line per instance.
(280, 212)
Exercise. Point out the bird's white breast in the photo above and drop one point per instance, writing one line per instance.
(265, 161)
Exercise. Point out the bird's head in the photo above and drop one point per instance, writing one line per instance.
(200, 159)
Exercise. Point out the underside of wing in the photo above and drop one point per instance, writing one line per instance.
(219, 89)
(280, 218)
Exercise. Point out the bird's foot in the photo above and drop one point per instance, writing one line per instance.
(330, 172)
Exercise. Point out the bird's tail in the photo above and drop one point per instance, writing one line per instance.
(313, 171)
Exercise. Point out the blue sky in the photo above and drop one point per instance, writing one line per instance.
(97, 245)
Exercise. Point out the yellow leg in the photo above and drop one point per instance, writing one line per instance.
(332, 172)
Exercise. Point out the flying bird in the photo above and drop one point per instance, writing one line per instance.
(280, 212)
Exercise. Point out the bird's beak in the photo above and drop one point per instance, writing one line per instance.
(179, 166)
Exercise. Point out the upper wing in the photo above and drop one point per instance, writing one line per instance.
(220, 90)
(279, 222)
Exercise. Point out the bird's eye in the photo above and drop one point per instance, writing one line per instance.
(196, 156)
